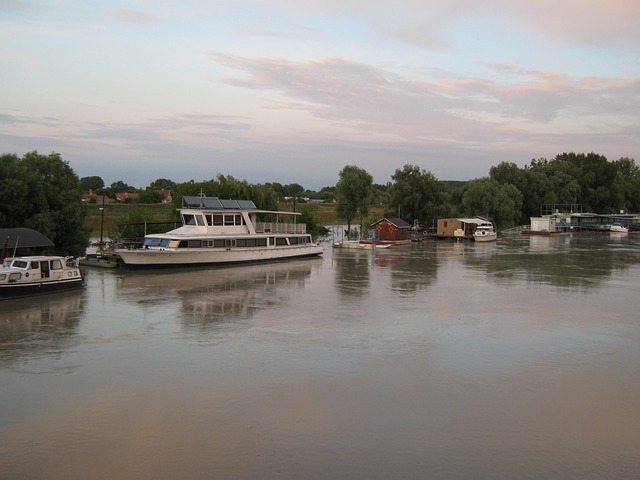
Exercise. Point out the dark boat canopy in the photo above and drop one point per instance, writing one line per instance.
(22, 238)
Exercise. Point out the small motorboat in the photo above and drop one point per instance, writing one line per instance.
(618, 228)
(485, 233)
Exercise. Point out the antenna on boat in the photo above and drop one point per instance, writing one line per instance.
(15, 248)
(4, 249)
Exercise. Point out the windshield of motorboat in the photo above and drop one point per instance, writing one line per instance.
(20, 264)
(156, 242)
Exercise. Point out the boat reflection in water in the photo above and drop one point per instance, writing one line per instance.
(212, 295)
(41, 323)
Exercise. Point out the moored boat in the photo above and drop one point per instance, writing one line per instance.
(363, 244)
(216, 231)
(617, 228)
(38, 274)
(485, 233)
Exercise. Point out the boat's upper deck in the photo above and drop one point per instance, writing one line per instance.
(210, 215)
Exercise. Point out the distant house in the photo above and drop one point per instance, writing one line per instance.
(391, 229)
(458, 227)
(166, 195)
(124, 196)
(95, 198)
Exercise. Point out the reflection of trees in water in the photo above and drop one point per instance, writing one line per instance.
(416, 270)
(581, 262)
(352, 271)
(412, 267)
(38, 323)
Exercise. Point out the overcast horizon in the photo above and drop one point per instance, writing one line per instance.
(291, 92)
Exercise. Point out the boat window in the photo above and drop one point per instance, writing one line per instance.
(151, 242)
(20, 264)
(218, 243)
(35, 265)
(56, 265)
(188, 219)
(230, 243)
(239, 220)
(228, 219)
(164, 242)
(272, 241)
(293, 240)
(209, 219)
(241, 242)
(15, 276)
(194, 244)
(281, 241)
(261, 242)
(218, 220)
(3, 277)
(200, 220)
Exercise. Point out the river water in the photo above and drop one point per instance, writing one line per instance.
(518, 359)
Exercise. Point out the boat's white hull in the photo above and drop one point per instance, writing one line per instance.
(618, 229)
(361, 245)
(489, 237)
(207, 256)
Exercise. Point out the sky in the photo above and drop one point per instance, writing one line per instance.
(292, 91)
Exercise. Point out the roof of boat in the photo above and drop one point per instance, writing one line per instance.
(215, 203)
(23, 238)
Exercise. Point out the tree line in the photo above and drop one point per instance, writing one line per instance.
(510, 195)
(44, 193)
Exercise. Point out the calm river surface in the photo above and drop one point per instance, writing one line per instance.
(439, 360)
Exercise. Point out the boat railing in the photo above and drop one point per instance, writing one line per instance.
(279, 227)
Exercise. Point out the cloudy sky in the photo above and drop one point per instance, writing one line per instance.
(293, 90)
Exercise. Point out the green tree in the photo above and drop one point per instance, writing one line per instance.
(415, 195)
(353, 193)
(42, 192)
(293, 190)
(500, 202)
(596, 176)
(162, 184)
(150, 195)
(227, 187)
(629, 182)
(118, 187)
(91, 183)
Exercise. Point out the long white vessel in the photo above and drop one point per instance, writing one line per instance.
(216, 231)
(38, 274)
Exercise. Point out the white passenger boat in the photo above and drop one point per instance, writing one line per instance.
(216, 231)
(38, 274)
(485, 233)
(617, 228)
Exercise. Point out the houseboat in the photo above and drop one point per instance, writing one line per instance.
(38, 274)
(216, 231)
